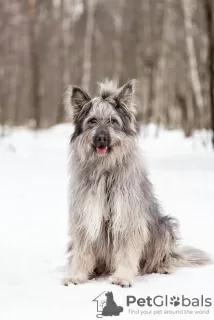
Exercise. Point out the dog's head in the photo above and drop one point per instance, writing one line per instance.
(104, 125)
(109, 294)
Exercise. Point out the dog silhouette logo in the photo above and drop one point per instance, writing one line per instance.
(106, 305)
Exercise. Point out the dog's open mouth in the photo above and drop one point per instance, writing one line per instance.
(101, 150)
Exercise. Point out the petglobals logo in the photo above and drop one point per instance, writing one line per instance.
(165, 301)
(106, 305)
(168, 305)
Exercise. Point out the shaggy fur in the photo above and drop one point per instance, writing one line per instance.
(116, 223)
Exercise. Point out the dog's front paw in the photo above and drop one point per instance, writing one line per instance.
(76, 279)
(125, 283)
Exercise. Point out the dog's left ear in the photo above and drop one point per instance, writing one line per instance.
(74, 99)
(125, 94)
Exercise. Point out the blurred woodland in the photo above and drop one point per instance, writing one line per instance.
(167, 45)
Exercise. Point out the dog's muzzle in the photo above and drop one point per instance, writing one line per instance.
(102, 141)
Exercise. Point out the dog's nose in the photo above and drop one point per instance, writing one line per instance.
(102, 139)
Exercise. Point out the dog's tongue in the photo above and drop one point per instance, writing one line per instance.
(101, 150)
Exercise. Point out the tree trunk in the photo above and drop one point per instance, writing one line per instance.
(161, 73)
(88, 40)
(193, 68)
(34, 64)
(60, 112)
(118, 22)
(209, 8)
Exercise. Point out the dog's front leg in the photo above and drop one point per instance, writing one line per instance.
(126, 260)
(129, 232)
(81, 265)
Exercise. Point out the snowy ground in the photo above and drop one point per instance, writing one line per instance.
(33, 227)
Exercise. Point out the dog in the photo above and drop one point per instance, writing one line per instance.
(111, 308)
(116, 224)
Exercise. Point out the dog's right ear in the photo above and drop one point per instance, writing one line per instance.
(74, 98)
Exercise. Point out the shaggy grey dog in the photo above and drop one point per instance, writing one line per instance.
(116, 224)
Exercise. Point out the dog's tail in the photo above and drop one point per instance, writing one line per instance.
(120, 309)
(190, 257)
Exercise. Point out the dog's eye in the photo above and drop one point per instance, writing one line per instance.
(92, 121)
(113, 121)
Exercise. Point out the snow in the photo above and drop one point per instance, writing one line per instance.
(33, 228)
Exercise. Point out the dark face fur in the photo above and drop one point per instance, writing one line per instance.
(103, 123)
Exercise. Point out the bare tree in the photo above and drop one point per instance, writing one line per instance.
(61, 49)
(191, 53)
(161, 72)
(118, 24)
(87, 59)
(34, 63)
(209, 9)
(102, 304)
(5, 65)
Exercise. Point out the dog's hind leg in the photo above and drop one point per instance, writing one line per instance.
(81, 265)
(157, 256)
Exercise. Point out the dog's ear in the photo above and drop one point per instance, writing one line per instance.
(79, 97)
(74, 98)
(125, 94)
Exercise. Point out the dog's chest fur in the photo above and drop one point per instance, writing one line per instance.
(109, 195)
(107, 181)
